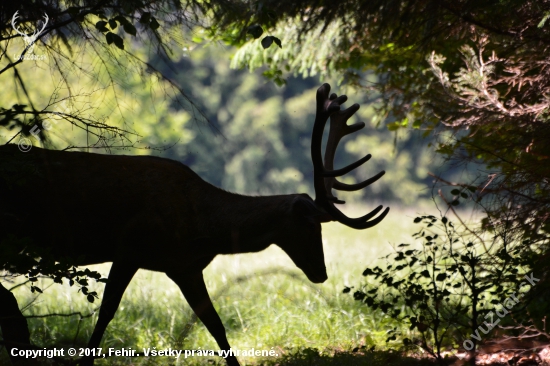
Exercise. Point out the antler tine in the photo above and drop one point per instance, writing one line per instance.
(338, 129)
(44, 24)
(13, 19)
(357, 186)
(336, 132)
(324, 175)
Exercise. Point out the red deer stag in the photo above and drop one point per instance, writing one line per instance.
(157, 214)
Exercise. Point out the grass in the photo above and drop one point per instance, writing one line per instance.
(265, 302)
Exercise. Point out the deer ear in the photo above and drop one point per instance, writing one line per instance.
(307, 208)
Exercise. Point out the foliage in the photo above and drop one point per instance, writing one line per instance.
(503, 104)
(110, 29)
(108, 32)
(491, 98)
(448, 289)
(35, 261)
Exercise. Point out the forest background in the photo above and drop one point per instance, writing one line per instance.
(454, 95)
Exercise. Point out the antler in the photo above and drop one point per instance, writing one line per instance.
(13, 19)
(36, 33)
(44, 24)
(324, 175)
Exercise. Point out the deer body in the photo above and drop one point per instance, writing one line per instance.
(157, 214)
(143, 212)
(152, 211)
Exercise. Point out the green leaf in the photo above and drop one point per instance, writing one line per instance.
(154, 24)
(277, 42)
(83, 282)
(441, 277)
(129, 28)
(267, 41)
(100, 14)
(101, 26)
(116, 39)
(394, 126)
(455, 192)
(18, 107)
(543, 20)
(256, 30)
(279, 81)
(90, 298)
(417, 220)
(445, 149)
(121, 19)
(425, 273)
(112, 23)
(145, 18)
(367, 272)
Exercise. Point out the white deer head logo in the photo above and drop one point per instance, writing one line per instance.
(29, 39)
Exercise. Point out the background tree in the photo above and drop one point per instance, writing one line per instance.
(475, 72)
(490, 95)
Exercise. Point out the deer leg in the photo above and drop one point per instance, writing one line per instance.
(15, 330)
(196, 294)
(119, 278)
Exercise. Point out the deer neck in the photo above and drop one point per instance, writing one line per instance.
(250, 224)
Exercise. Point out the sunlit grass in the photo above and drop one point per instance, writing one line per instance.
(264, 301)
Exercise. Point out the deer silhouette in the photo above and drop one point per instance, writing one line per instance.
(29, 39)
(157, 214)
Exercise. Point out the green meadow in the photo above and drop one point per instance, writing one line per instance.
(265, 303)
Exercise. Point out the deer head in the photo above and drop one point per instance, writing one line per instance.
(29, 39)
(302, 239)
